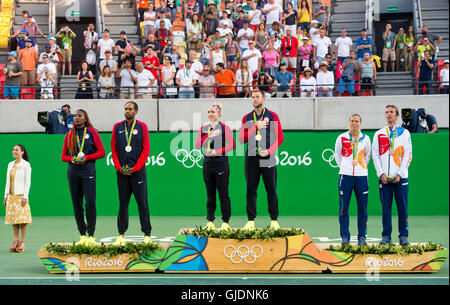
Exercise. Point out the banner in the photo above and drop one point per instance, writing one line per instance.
(307, 176)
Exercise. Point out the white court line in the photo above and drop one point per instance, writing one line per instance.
(205, 277)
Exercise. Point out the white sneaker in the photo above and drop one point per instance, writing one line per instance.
(120, 241)
(250, 225)
(274, 225)
(210, 225)
(225, 226)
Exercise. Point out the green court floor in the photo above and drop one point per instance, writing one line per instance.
(25, 268)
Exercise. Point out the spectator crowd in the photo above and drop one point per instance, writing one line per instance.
(229, 47)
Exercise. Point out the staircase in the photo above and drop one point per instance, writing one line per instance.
(435, 17)
(351, 15)
(119, 16)
(39, 10)
(394, 83)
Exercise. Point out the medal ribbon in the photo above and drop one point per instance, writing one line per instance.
(131, 132)
(354, 146)
(257, 131)
(208, 148)
(81, 146)
(391, 137)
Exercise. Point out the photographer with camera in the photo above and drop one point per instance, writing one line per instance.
(67, 36)
(90, 38)
(58, 121)
(289, 45)
(162, 34)
(347, 80)
(422, 46)
(321, 13)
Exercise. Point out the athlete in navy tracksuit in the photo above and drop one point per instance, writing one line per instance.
(352, 154)
(216, 139)
(82, 146)
(130, 146)
(261, 129)
(392, 155)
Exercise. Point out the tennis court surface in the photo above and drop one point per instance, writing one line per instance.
(26, 268)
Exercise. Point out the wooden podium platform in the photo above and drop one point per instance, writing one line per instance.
(289, 254)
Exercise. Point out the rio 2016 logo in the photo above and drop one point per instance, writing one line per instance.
(158, 160)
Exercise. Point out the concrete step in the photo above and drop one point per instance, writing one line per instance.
(349, 6)
(394, 91)
(355, 17)
(116, 2)
(118, 8)
(116, 29)
(40, 19)
(430, 14)
(126, 20)
(35, 8)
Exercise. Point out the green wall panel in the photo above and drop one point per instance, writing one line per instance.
(307, 184)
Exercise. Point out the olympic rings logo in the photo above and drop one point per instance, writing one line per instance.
(189, 159)
(327, 157)
(237, 255)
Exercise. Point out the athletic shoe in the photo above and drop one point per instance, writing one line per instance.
(386, 240)
(83, 240)
(210, 226)
(345, 242)
(120, 241)
(250, 225)
(91, 241)
(362, 241)
(225, 226)
(147, 240)
(403, 240)
(274, 225)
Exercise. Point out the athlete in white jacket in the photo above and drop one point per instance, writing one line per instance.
(352, 154)
(392, 154)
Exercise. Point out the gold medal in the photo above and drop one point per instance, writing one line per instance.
(258, 137)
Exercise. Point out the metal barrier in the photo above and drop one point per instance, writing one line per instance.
(169, 92)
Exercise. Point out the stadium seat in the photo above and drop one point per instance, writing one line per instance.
(28, 93)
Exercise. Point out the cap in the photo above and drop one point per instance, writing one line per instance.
(107, 51)
(305, 38)
(282, 63)
(47, 46)
(29, 40)
(24, 31)
(44, 55)
(211, 2)
(238, 5)
(123, 32)
(150, 46)
(314, 21)
(13, 53)
(363, 30)
(307, 69)
(29, 16)
(188, 61)
(324, 63)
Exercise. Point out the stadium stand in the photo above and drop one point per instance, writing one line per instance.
(123, 15)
